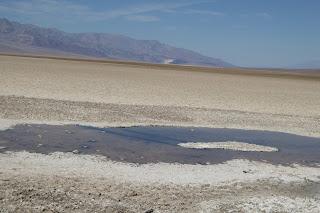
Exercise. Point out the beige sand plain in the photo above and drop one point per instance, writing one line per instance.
(40, 90)
(119, 84)
(118, 94)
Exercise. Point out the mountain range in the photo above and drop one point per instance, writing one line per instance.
(313, 64)
(26, 38)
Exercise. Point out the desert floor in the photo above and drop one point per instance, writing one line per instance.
(51, 91)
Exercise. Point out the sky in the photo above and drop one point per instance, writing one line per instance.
(251, 33)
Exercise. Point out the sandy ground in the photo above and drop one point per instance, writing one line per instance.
(101, 94)
(68, 182)
(119, 84)
(14, 110)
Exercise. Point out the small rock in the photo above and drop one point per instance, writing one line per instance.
(39, 145)
(2, 147)
(149, 211)
(92, 141)
(133, 194)
(85, 147)
(75, 151)
(205, 185)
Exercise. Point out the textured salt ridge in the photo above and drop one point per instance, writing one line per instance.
(88, 166)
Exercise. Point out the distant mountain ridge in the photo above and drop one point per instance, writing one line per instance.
(314, 64)
(26, 38)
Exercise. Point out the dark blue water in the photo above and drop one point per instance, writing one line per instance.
(159, 144)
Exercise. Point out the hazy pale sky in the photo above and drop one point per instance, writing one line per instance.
(272, 33)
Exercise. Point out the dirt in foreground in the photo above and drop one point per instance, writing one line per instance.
(32, 187)
(74, 183)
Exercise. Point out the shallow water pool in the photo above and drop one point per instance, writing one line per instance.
(159, 144)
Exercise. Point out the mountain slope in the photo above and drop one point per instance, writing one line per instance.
(315, 64)
(25, 38)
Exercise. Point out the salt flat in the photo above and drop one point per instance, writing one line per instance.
(140, 85)
(232, 145)
(120, 94)
(39, 90)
